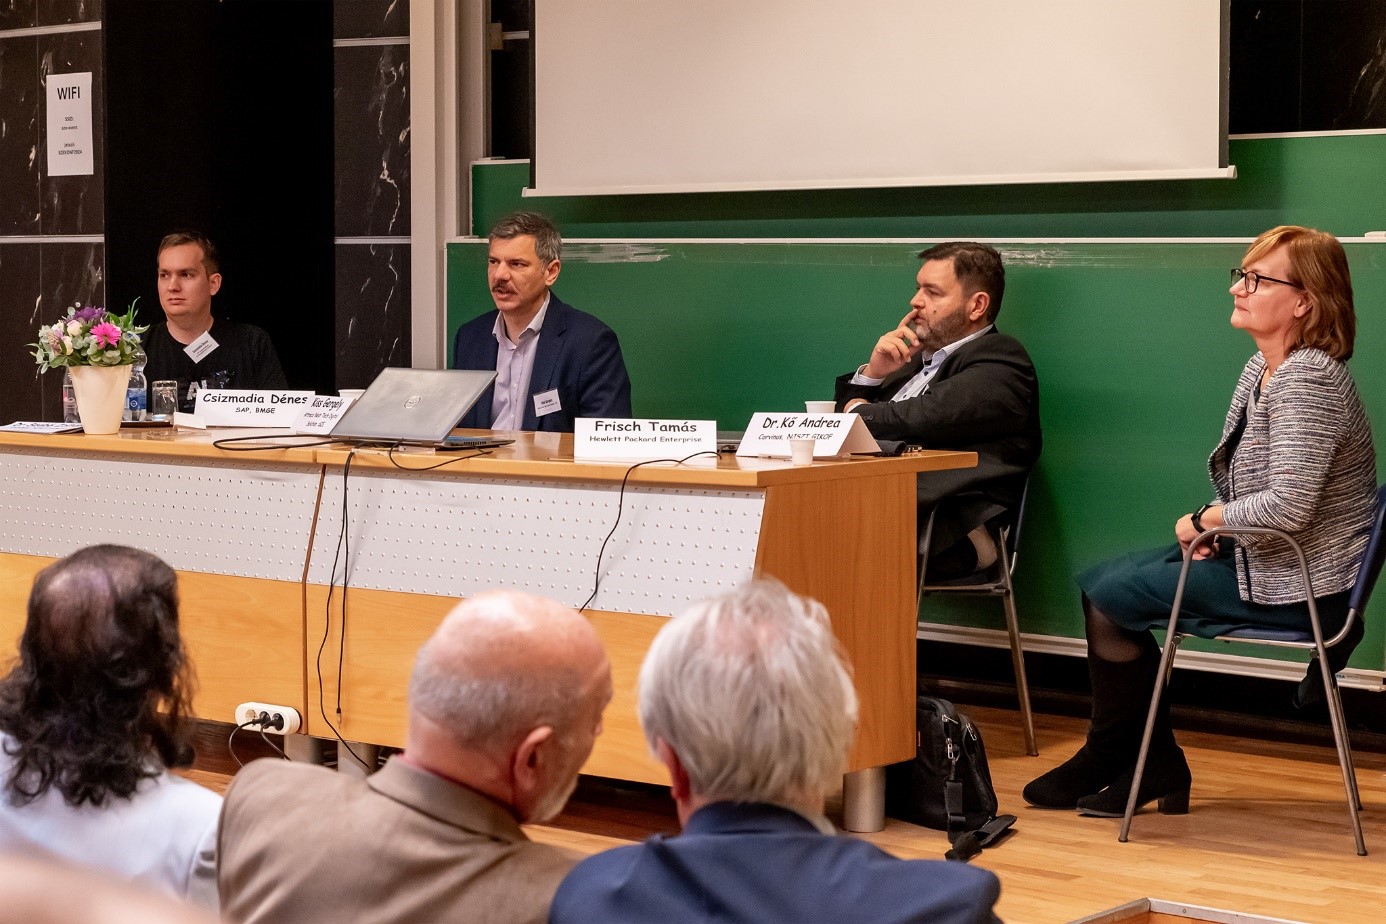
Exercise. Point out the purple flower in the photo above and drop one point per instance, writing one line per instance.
(88, 315)
(105, 334)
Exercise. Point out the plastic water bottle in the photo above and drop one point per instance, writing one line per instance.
(69, 400)
(137, 392)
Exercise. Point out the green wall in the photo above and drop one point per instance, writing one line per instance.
(1131, 340)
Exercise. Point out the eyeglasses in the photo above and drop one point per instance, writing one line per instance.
(1251, 279)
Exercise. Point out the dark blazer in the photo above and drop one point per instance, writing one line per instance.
(767, 864)
(984, 399)
(576, 354)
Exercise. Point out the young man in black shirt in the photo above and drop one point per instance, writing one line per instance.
(190, 346)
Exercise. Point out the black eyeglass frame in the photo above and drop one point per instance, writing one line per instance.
(1253, 279)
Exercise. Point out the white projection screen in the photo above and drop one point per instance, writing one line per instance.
(648, 96)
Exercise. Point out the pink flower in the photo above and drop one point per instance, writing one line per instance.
(105, 334)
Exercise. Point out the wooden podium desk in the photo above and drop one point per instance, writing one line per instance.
(255, 536)
(236, 527)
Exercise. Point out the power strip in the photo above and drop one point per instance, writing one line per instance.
(267, 717)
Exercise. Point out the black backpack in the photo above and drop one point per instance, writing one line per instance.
(947, 786)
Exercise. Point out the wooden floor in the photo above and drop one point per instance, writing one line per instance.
(1267, 833)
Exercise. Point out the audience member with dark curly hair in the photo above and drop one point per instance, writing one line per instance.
(92, 716)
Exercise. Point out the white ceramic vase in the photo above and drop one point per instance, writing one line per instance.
(100, 394)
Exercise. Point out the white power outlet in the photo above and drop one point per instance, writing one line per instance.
(283, 720)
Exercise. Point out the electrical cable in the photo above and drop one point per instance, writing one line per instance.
(343, 541)
(225, 442)
(277, 749)
(428, 468)
(620, 506)
(231, 739)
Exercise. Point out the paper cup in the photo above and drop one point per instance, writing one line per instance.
(820, 407)
(801, 451)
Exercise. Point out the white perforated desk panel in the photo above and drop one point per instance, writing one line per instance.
(230, 518)
(456, 536)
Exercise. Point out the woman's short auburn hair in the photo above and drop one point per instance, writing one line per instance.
(1319, 264)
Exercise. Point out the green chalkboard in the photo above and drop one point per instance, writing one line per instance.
(1336, 183)
(1131, 340)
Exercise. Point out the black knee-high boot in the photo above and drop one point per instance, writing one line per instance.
(1166, 777)
(1120, 698)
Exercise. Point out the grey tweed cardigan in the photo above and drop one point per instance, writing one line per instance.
(1305, 464)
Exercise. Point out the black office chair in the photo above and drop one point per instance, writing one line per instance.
(1313, 641)
(1007, 539)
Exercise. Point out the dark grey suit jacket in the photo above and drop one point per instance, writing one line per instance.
(984, 399)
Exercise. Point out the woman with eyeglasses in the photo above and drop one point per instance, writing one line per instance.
(1296, 455)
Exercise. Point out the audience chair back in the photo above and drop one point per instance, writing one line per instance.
(1367, 572)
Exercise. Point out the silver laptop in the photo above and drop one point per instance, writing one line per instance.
(415, 406)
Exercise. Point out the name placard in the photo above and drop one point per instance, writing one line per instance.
(322, 414)
(642, 440)
(768, 434)
(239, 407)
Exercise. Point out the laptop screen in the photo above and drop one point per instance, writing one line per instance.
(412, 405)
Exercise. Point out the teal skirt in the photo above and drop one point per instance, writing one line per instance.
(1136, 591)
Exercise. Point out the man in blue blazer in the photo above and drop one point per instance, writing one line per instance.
(553, 363)
(746, 701)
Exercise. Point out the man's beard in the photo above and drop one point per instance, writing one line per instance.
(948, 329)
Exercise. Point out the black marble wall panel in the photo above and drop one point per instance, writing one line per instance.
(37, 283)
(25, 14)
(18, 14)
(371, 113)
(1307, 65)
(1344, 61)
(39, 280)
(20, 110)
(20, 386)
(73, 204)
(70, 273)
(372, 311)
(62, 12)
(369, 19)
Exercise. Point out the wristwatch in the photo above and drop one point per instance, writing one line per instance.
(1197, 516)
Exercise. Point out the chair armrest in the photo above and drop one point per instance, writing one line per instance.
(1212, 533)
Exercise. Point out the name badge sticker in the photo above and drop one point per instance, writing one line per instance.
(546, 402)
(200, 347)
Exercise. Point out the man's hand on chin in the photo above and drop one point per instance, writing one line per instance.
(894, 350)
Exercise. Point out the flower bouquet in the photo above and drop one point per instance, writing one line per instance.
(98, 349)
(89, 337)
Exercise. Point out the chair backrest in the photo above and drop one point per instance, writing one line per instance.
(1012, 532)
(1372, 558)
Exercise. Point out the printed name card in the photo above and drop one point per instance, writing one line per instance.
(322, 414)
(236, 407)
(642, 440)
(768, 434)
(40, 426)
